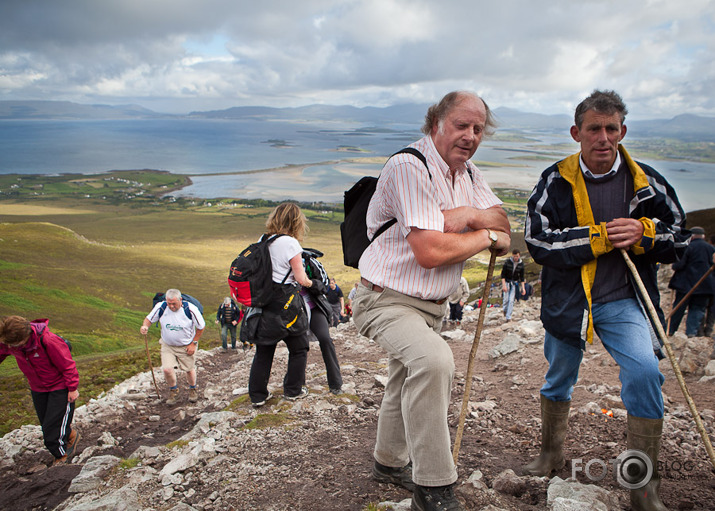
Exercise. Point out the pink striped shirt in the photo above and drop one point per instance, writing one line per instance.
(405, 192)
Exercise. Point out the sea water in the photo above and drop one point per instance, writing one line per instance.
(203, 148)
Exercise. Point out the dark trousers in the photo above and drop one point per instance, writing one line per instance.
(294, 379)
(55, 414)
(696, 306)
(455, 311)
(227, 328)
(335, 317)
(319, 326)
(706, 329)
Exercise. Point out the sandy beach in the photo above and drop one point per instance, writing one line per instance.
(323, 181)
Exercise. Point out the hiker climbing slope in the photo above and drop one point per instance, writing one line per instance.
(45, 360)
(583, 210)
(181, 327)
(445, 214)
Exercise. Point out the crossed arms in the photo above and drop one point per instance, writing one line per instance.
(454, 245)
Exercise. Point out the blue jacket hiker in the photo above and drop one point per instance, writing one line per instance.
(228, 316)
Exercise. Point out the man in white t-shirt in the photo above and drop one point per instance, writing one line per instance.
(181, 327)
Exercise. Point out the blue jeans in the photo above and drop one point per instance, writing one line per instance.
(625, 334)
(508, 299)
(697, 305)
(225, 329)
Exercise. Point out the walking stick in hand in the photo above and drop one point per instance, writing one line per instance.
(472, 354)
(671, 356)
(151, 367)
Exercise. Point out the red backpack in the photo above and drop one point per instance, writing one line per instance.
(251, 275)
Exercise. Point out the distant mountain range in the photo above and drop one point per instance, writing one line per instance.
(685, 127)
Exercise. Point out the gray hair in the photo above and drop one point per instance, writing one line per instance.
(227, 300)
(172, 293)
(606, 102)
(438, 112)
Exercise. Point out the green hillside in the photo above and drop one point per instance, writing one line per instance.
(92, 266)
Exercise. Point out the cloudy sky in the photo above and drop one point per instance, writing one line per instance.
(182, 55)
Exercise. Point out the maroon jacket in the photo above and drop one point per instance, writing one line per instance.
(45, 360)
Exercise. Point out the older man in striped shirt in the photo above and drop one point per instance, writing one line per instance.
(445, 214)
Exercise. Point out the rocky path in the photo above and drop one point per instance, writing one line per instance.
(315, 453)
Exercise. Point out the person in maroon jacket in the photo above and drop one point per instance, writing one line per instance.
(46, 361)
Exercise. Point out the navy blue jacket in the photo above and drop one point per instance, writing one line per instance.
(562, 236)
(689, 270)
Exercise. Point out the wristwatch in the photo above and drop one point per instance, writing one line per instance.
(492, 237)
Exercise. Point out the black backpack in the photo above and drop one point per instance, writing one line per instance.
(353, 229)
(314, 268)
(251, 275)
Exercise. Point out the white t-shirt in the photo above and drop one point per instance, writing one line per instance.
(282, 251)
(176, 328)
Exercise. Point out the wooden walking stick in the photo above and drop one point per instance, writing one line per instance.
(671, 356)
(681, 302)
(472, 354)
(151, 367)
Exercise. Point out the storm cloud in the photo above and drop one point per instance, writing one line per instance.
(184, 55)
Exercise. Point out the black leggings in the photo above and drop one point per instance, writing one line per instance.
(55, 414)
(294, 379)
(319, 326)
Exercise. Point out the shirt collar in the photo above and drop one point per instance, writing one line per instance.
(443, 167)
(587, 172)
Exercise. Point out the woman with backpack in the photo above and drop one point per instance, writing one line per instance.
(46, 361)
(288, 221)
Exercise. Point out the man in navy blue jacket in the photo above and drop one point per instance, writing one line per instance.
(583, 210)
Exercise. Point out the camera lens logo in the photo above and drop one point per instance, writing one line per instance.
(633, 469)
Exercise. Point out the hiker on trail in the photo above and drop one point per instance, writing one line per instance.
(287, 266)
(45, 360)
(337, 303)
(457, 300)
(698, 258)
(512, 277)
(583, 210)
(445, 214)
(181, 327)
(319, 311)
(228, 317)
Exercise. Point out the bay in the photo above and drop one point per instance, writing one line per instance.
(310, 159)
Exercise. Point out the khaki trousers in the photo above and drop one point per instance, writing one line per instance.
(413, 417)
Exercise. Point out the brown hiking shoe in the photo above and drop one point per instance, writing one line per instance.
(71, 449)
(72, 445)
(173, 397)
(193, 395)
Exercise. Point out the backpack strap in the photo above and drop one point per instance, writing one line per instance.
(271, 240)
(184, 305)
(162, 309)
(414, 152)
